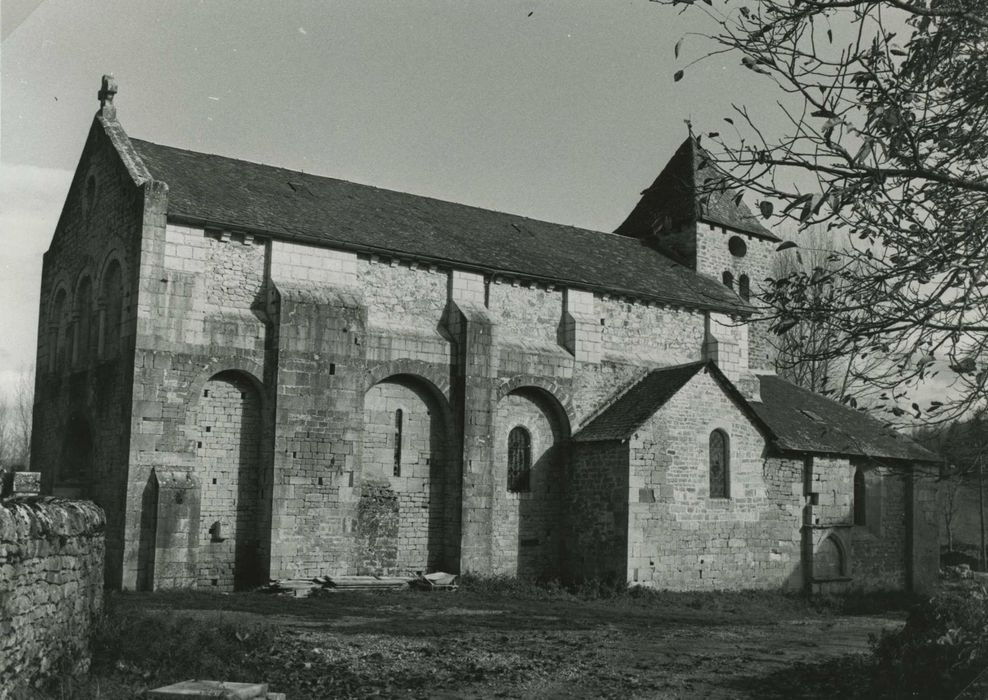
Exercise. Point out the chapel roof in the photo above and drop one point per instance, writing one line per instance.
(692, 188)
(793, 419)
(229, 193)
(805, 421)
(630, 410)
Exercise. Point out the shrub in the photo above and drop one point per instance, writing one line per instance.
(518, 587)
(156, 647)
(942, 647)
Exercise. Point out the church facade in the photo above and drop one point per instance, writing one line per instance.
(263, 373)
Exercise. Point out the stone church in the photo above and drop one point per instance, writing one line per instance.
(264, 373)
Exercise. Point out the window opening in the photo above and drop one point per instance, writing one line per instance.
(398, 428)
(744, 287)
(519, 460)
(737, 246)
(718, 464)
(860, 512)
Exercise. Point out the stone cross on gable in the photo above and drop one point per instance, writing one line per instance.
(107, 90)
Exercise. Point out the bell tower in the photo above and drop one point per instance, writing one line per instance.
(692, 215)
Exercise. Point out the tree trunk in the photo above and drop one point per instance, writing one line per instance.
(981, 507)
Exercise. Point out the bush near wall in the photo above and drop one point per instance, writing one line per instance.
(51, 587)
(943, 646)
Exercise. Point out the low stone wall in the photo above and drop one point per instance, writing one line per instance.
(51, 587)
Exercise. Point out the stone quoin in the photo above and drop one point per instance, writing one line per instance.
(261, 373)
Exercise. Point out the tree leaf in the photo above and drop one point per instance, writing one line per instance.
(677, 76)
(677, 47)
(786, 246)
(807, 212)
(784, 325)
(802, 199)
(766, 208)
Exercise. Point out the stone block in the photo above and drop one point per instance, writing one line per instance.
(27, 483)
(204, 690)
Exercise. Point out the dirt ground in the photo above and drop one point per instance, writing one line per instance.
(468, 645)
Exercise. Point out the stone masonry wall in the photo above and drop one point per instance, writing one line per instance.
(873, 555)
(879, 549)
(312, 325)
(714, 257)
(51, 588)
(527, 313)
(404, 472)
(595, 540)
(648, 334)
(228, 470)
(679, 537)
(83, 379)
(202, 311)
(405, 308)
(527, 524)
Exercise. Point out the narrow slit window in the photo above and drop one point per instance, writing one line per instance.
(860, 502)
(519, 460)
(399, 418)
(719, 464)
(728, 279)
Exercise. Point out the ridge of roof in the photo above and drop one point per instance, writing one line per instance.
(222, 191)
(304, 174)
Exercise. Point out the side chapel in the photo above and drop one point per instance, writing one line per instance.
(264, 373)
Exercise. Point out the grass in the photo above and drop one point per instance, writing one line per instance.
(755, 603)
(495, 635)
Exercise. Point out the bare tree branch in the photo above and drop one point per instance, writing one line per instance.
(884, 143)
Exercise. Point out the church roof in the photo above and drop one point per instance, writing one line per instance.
(691, 188)
(805, 421)
(229, 193)
(626, 414)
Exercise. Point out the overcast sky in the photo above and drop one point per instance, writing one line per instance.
(561, 111)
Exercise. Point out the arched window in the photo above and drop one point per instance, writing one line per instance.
(860, 502)
(112, 300)
(90, 196)
(719, 464)
(84, 327)
(399, 426)
(59, 332)
(728, 279)
(744, 287)
(519, 460)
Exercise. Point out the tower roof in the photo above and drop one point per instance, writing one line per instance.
(691, 188)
